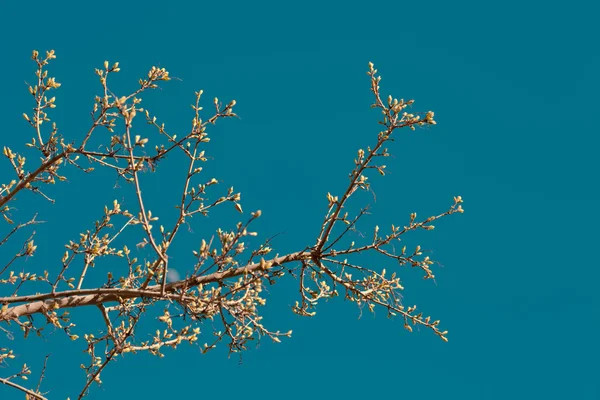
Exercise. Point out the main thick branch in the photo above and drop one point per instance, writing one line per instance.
(89, 297)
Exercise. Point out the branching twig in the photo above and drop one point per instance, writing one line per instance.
(219, 285)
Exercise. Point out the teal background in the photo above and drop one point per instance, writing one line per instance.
(514, 87)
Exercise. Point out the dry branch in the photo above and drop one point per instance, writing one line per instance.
(222, 287)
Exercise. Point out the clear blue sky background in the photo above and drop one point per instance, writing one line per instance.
(514, 86)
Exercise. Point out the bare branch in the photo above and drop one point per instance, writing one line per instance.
(225, 282)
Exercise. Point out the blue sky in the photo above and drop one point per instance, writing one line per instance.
(514, 87)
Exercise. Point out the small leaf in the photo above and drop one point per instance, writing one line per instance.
(238, 207)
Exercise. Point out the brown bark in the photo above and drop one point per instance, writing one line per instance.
(90, 297)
